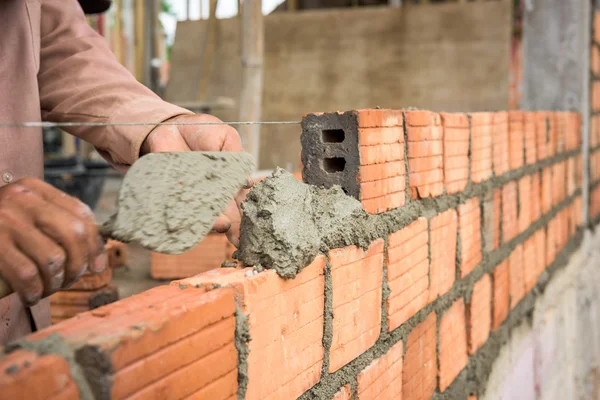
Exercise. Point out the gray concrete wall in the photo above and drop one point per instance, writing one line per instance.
(443, 57)
(555, 354)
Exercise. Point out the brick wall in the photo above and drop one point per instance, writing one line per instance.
(480, 211)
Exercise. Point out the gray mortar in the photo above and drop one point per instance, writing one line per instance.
(55, 344)
(98, 370)
(327, 319)
(385, 290)
(105, 296)
(407, 198)
(168, 202)
(242, 338)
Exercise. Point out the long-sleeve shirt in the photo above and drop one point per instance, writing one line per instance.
(55, 67)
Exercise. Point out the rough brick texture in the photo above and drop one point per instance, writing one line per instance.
(480, 313)
(516, 276)
(509, 211)
(516, 145)
(345, 393)
(481, 146)
(469, 223)
(500, 143)
(356, 279)
(501, 293)
(530, 138)
(453, 343)
(420, 366)
(425, 154)
(382, 379)
(442, 238)
(456, 151)
(407, 272)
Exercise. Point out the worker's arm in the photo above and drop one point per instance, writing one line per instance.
(81, 80)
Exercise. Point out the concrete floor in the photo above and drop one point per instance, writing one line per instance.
(135, 276)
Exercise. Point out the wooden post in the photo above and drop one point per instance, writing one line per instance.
(252, 74)
(209, 50)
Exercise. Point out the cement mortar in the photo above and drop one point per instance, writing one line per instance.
(242, 338)
(55, 344)
(168, 202)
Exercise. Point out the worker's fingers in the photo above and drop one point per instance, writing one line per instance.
(20, 272)
(219, 137)
(48, 256)
(70, 232)
(249, 184)
(232, 212)
(222, 224)
(78, 209)
(166, 138)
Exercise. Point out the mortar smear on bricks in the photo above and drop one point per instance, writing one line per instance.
(394, 270)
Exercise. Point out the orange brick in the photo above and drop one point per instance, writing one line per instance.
(558, 183)
(356, 285)
(426, 190)
(456, 150)
(516, 276)
(572, 131)
(453, 344)
(148, 324)
(408, 272)
(561, 124)
(443, 231)
(424, 164)
(595, 63)
(26, 375)
(480, 313)
(550, 241)
(542, 135)
(374, 118)
(571, 176)
(500, 143)
(225, 387)
(525, 200)
(384, 203)
(375, 172)
(382, 153)
(501, 293)
(345, 393)
(516, 134)
(481, 146)
(469, 220)
(91, 281)
(116, 253)
(420, 367)
(546, 196)
(536, 197)
(285, 319)
(84, 298)
(530, 138)
(529, 263)
(382, 187)
(382, 379)
(208, 254)
(509, 211)
(421, 118)
(384, 135)
(552, 134)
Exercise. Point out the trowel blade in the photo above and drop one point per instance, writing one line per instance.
(168, 202)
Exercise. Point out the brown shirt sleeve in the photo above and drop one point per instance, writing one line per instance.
(81, 80)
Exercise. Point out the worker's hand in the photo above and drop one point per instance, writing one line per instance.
(173, 138)
(47, 239)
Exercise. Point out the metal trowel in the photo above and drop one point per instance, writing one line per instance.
(168, 202)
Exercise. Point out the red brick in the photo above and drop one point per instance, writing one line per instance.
(420, 367)
(490, 226)
(542, 135)
(375, 172)
(356, 285)
(530, 263)
(384, 203)
(525, 203)
(91, 281)
(516, 276)
(384, 135)
(345, 393)
(208, 254)
(453, 344)
(481, 146)
(558, 183)
(571, 175)
(382, 153)
(573, 131)
(561, 131)
(530, 138)
(408, 272)
(469, 220)
(595, 63)
(285, 319)
(443, 231)
(456, 151)
(509, 211)
(382, 187)
(24, 374)
(536, 197)
(500, 143)
(546, 196)
(480, 313)
(501, 293)
(551, 239)
(375, 118)
(382, 379)
(552, 134)
(516, 134)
